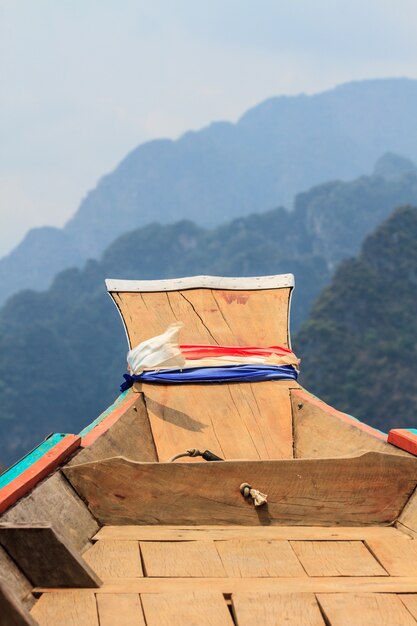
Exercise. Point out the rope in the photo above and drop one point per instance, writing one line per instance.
(257, 496)
(193, 452)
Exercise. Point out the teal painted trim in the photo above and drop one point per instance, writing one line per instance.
(105, 413)
(413, 431)
(373, 427)
(37, 453)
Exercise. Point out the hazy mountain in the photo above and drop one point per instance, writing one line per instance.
(62, 352)
(359, 347)
(278, 148)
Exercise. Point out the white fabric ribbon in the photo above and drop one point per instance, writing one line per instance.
(158, 352)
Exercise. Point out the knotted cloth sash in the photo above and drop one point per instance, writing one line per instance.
(226, 374)
(162, 359)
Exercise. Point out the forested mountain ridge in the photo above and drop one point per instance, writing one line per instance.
(277, 149)
(62, 352)
(359, 345)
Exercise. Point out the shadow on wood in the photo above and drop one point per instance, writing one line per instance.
(12, 612)
(45, 557)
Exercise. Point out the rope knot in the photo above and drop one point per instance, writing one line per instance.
(193, 452)
(257, 496)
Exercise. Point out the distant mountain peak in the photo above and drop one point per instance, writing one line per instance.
(392, 165)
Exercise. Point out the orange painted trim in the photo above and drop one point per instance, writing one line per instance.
(304, 395)
(404, 439)
(38, 471)
(109, 420)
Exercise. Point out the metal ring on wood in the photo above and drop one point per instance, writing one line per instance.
(257, 496)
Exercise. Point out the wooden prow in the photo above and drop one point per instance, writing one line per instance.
(225, 311)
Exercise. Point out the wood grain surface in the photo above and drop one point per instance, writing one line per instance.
(369, 489)
(365, 609)
(243, 318)
(270, 609)
(239, 421)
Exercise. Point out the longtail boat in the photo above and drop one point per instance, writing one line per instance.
(215, 489)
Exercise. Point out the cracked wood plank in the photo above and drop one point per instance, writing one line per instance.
(210, 316)
(365, 609)
(268, 533)
(120, 609)
(257, 558)
(185, 609)
(239, 421)
(355, 491)
(265, 609)
(337, 558)
(179, 559)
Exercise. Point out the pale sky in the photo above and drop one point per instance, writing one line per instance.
(83, 82)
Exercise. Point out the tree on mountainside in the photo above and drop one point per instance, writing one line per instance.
(359, 346)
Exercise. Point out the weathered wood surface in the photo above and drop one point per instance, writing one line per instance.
(303, 584)
(257, 558)
(111, 558)
(12, 611)
(179, 559)
(129, 436)
(168, 609)
(365, 609)
(46, 558)
(55, 502)
(66, 608)
(33, 469)
(337, 558)
(266, 533)
(120, 609)
(239, 421)
(321, 431)
(270, 609)
(410, 601)
(370, 489)
(408, 518)
(13, 578)
(210, 316)
(398, 556)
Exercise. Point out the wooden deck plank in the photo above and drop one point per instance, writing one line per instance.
(321, 584)
(337, 558)
(364, 490)
(72, 608)
(220, 533)
(410, 601)
(111, 558)
(267, 609)
(365, 609)
(398, 555)
(120, 609)
(186, 609)
(253, 558)
(179, 559)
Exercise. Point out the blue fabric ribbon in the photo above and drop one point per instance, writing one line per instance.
(224, 374)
